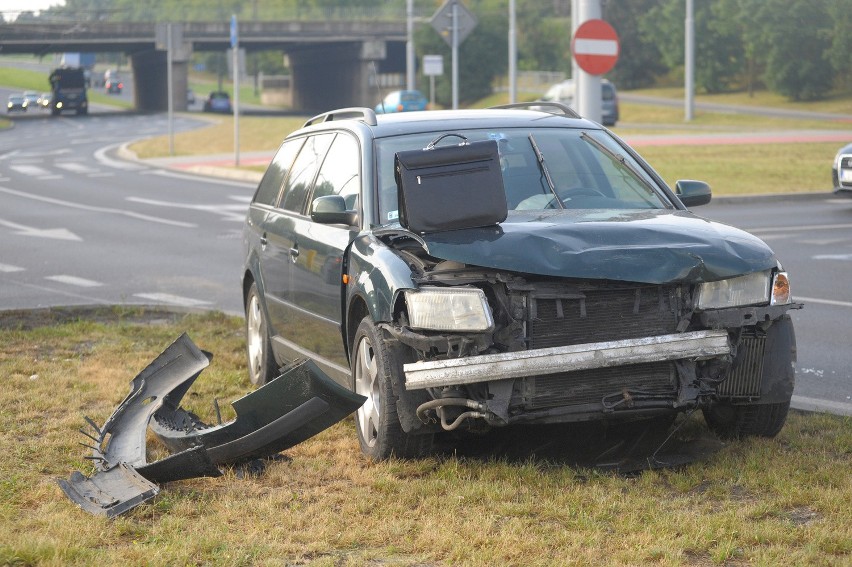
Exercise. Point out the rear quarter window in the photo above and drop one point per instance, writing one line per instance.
(270, 185)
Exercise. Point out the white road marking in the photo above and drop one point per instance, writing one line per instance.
(101, 156)
(74, 280)
(783, 229)
(227, 212)
(815, 404)
(75, 167)
(30, 170)
(823, 301)
(833, 257)
(56, 233)
(131, 214)
(8, 269)
(189, 177)
(172, 299)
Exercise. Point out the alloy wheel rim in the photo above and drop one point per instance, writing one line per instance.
(253, 339)
(367, 384)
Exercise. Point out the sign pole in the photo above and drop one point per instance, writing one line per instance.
(455, 55)
(689, 61)
(235, 43)
(513, 55)
(587, 86)
(170, 89)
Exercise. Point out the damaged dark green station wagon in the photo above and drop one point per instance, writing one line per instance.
(484, 268)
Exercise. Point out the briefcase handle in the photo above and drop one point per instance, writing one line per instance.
(434, 142)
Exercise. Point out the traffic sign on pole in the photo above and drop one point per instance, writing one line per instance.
(595, 47)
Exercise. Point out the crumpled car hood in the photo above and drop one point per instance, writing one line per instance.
(648, 246)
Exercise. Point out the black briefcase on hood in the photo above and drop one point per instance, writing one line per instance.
(450, 187)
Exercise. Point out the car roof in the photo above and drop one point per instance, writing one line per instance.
(396, 124)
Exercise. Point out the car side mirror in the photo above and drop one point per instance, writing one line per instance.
(331, 209)
(692, 193)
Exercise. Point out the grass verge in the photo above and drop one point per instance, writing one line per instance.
(730, 170)
(785, 501)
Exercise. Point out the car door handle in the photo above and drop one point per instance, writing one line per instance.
(294, 253)
(263, 242)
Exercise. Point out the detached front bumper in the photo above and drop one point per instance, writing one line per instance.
(484, 368)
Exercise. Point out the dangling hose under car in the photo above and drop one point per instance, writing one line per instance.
(480, 410)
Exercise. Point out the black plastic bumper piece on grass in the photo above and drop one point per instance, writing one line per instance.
(286, 411)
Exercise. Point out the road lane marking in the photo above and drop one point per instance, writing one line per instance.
(823, 301)
(171, 299)
(56, 233)
(92, 208)
(228, 212)
(832, 257)
(75, 167)
(101, 156)
(783, 229)
(34, 171)
(74, 280)
(8, 269)
(189, 177)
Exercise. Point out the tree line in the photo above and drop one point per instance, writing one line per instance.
(797, 48)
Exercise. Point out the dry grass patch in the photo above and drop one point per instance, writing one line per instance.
(762, 502)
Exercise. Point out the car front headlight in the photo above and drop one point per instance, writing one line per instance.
(750, 289)
(448, 309)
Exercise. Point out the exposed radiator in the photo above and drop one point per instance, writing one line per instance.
(591, 386)
(743, 380)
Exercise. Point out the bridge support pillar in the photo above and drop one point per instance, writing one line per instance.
(150, 72)
(335, 76)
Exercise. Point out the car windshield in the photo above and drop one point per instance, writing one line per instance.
(588, 168)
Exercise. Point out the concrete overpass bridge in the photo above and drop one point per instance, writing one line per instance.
(331, 61)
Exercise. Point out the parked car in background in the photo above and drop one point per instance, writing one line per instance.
(564, 92)
(113, 85)
(492, 267)
(16, 103)
(44, 101)
(218, 101)
(402, 101)
(841, 171)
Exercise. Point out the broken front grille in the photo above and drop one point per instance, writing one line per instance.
(606, 314)
(601, 315)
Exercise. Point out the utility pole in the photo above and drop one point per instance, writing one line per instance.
(513, 55)
(409, 46)
(689, 62)
(588, 87)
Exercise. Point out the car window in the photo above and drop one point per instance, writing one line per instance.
(303, 171)
(589, 169)
(339, 174)
(270, 185)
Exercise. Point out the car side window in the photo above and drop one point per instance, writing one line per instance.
(339, 174)
(270, 185)
(303, 172)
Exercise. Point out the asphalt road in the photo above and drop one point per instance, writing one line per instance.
(78, 226)
(81, 227)
(812, 237)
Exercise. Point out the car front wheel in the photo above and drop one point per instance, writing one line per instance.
(261, 361)
(755, 420)
(379, 430)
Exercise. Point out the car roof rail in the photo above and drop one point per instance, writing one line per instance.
(538, 104)
(368, 115)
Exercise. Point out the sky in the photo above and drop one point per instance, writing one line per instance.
(28, 5)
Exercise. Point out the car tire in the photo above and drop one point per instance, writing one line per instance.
(261, 362)
(730, 421)
(374, 364)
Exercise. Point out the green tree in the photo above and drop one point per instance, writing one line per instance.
(718, 46)
(639, 61)
(798, 36)
(840, 12)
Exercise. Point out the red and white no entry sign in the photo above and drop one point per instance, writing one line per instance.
(595, 47)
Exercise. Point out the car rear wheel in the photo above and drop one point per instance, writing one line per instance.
(373, 367)
(261, 361)
(755, 420)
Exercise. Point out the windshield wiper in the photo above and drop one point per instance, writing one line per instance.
(622, 160)
(543, 166)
